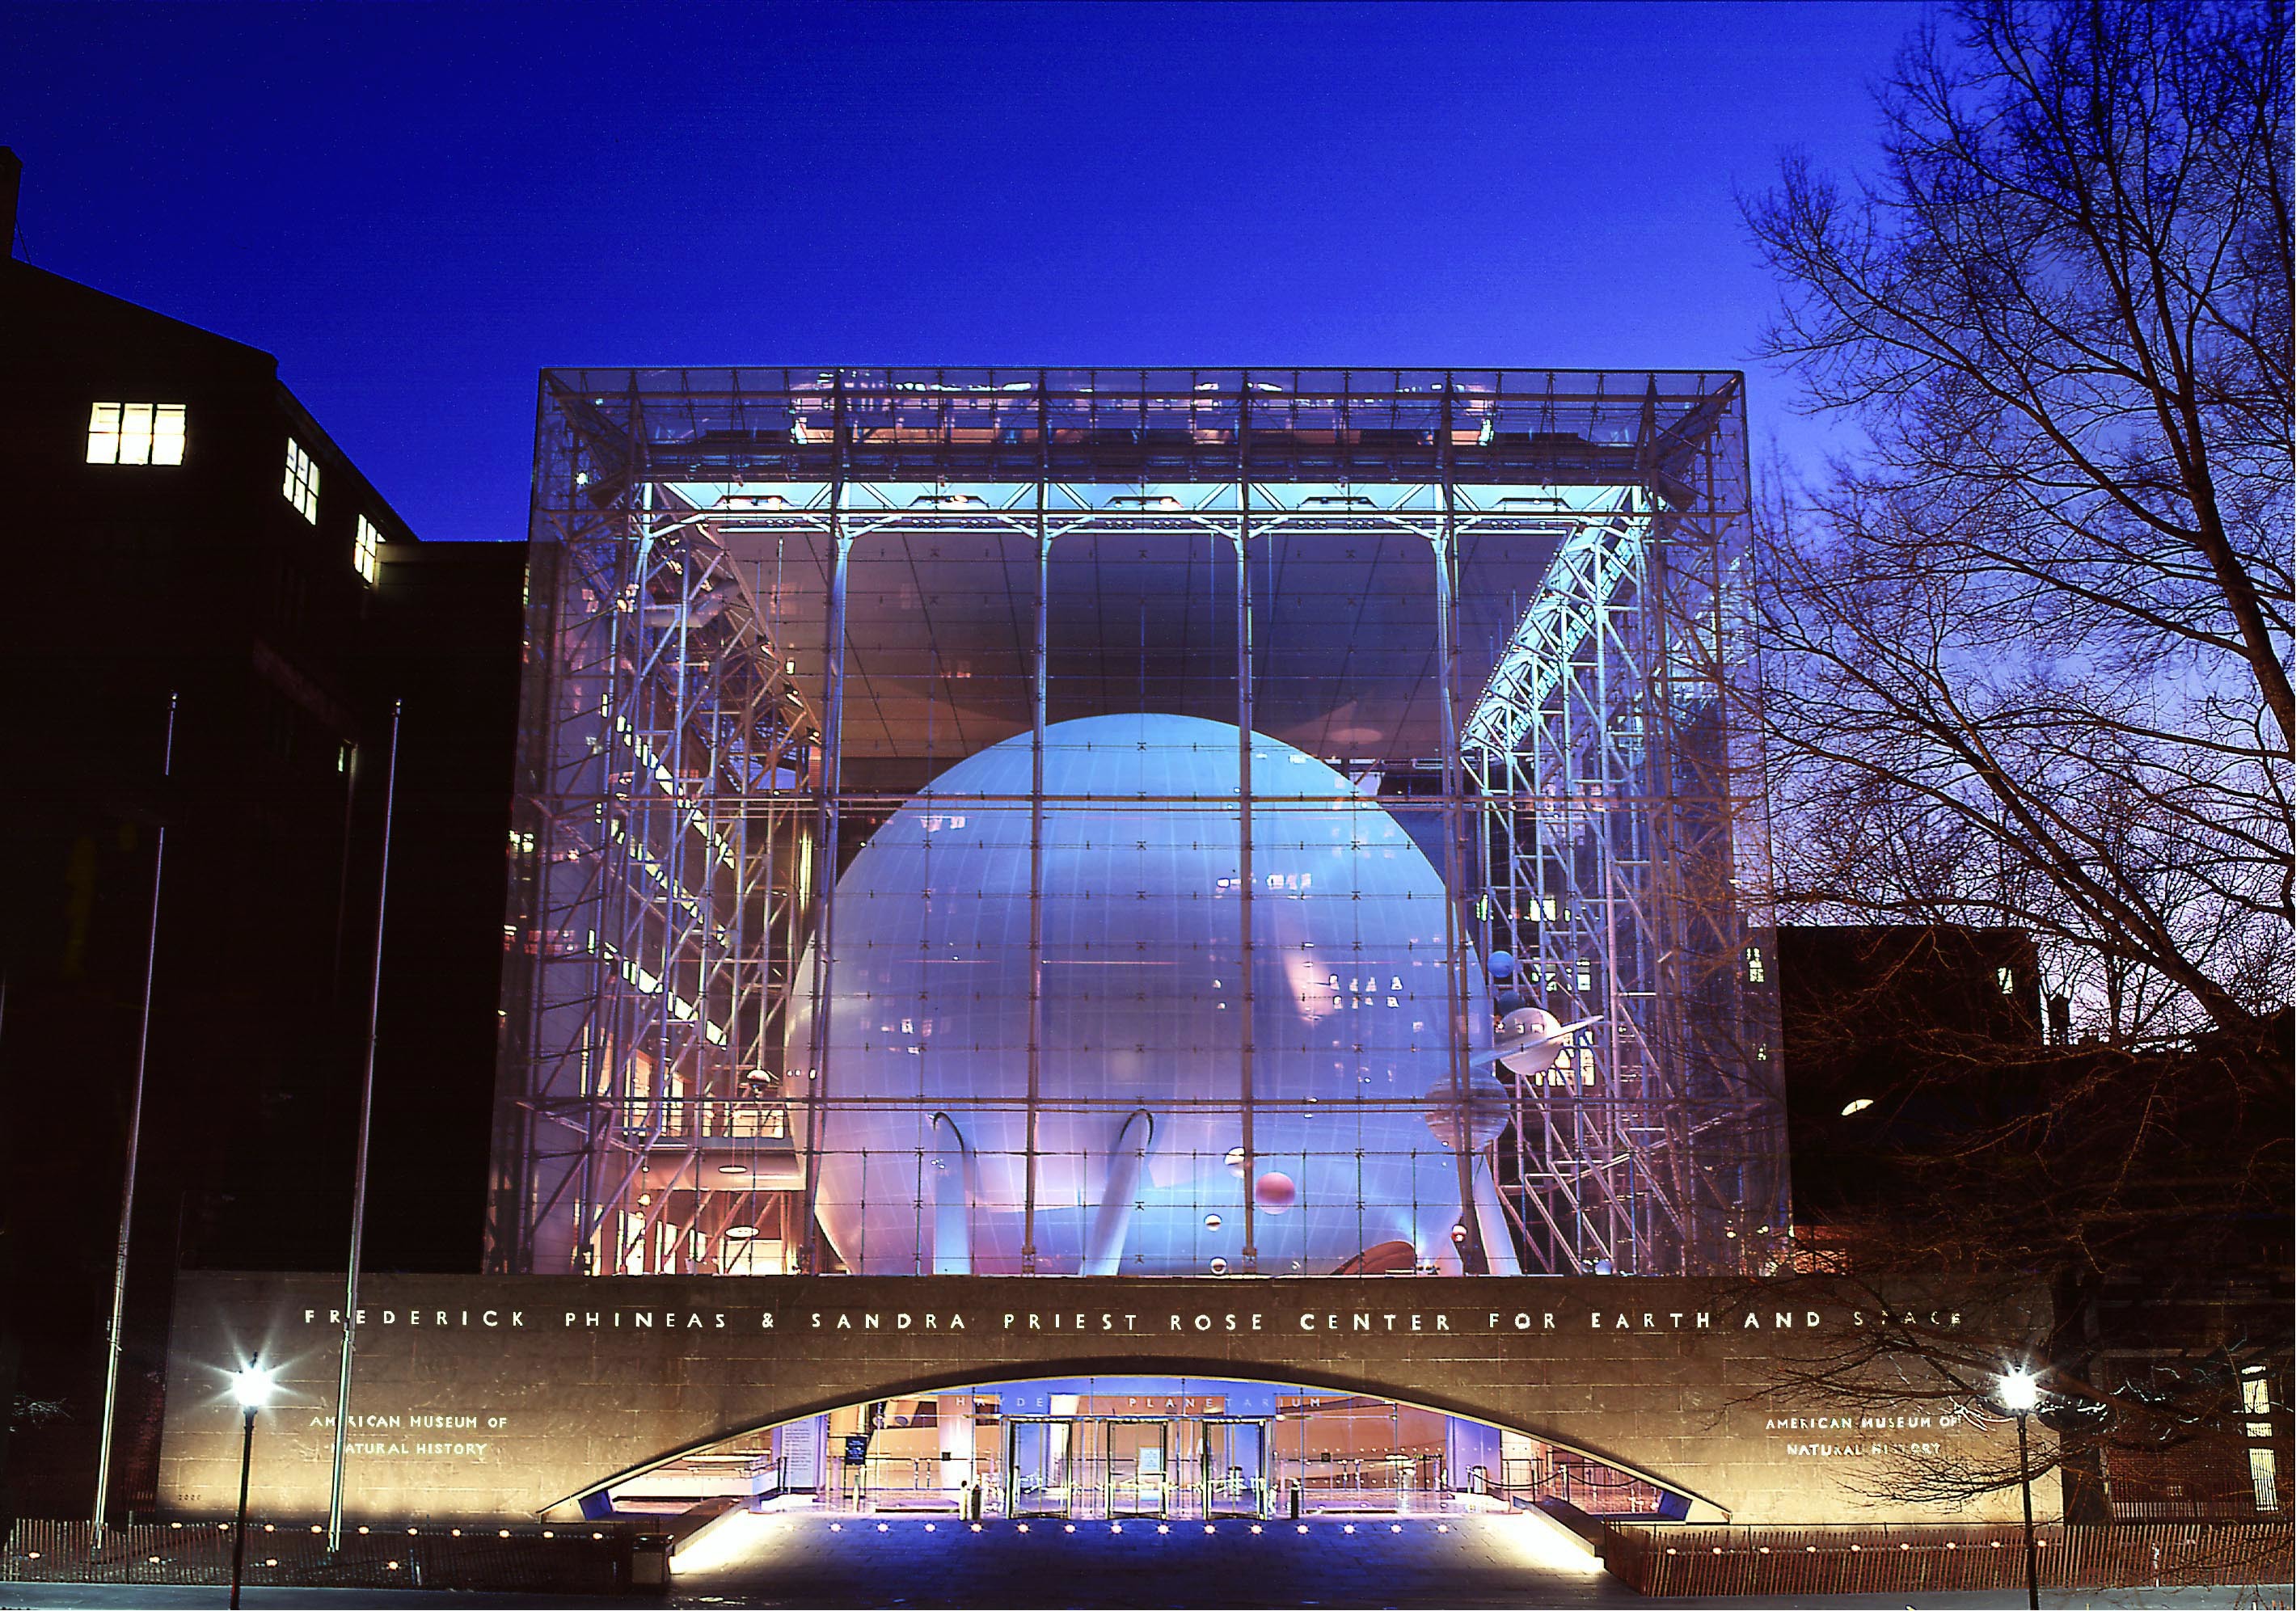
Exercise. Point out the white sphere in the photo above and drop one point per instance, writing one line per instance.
(1143, 1009)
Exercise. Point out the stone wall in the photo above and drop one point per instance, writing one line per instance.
(484, 1397)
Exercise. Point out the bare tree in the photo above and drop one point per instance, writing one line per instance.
(2028, 648)
(2026, 668)
(2116, 1220)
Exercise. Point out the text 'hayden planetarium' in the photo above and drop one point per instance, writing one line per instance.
(1138, 823)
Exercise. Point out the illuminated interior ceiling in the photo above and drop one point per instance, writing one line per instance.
(1141, 607)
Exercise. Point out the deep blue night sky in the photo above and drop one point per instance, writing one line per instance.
(416, 207)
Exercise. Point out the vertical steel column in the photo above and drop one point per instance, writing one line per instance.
(1249, 1258)
(833, 749)
(358, 1168)
(1472, 1256)
(134, 1136)
(1037, 676)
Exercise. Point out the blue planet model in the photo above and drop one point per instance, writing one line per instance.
(1140, 1139)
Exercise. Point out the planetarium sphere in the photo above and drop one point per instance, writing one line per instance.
(1139, 1064)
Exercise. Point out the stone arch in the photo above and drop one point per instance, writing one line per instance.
(946, 1379)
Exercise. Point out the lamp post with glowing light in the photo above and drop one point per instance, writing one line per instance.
(252, 1389)
(2021, 1395)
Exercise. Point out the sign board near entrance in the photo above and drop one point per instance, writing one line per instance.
(482, 1397)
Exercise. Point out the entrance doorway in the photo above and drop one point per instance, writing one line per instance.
(1040, 1467)
(1234, 1467)
(1110, 1448)
(1112, 1468)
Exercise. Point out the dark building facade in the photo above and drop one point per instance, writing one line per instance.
(1896, 1035)
(182, 529)
(1941, 1115)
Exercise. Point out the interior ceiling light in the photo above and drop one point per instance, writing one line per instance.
(739, 1233)
(1859, 1105)
(732, 1169)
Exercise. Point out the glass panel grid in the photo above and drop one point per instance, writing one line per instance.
(1086, 810)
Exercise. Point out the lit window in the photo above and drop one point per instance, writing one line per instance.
(136, 433)
(2264, 1477)
(300, 486)
(366, 552)
(2006, 980)
(1753, 964)
(2255, 1390)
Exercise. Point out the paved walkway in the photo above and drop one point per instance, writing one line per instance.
(807, 1559)
(798, 1558)
(794, 1559)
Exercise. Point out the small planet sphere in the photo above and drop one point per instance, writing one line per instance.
(1529, 1041)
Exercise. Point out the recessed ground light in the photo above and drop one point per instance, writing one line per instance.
(1858, 1104)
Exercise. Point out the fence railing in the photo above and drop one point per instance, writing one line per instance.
(578, 1559)
(1596, 1489)
(1851, 1559)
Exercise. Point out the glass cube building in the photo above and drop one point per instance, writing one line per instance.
(1130, 822)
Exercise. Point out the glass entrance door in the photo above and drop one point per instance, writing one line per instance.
(1234, 1467)
(1139, 1476)
(1039, 1466)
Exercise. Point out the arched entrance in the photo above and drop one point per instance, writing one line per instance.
(1112, 1446)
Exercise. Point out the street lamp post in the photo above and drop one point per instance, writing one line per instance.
(2020, 1393)
(252, 1389)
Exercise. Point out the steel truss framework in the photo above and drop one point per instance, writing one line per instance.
(683, 803)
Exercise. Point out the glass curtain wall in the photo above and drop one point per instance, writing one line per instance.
(1106, 822)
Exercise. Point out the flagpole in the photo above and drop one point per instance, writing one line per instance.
(134, 1139)
(358, 1177)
